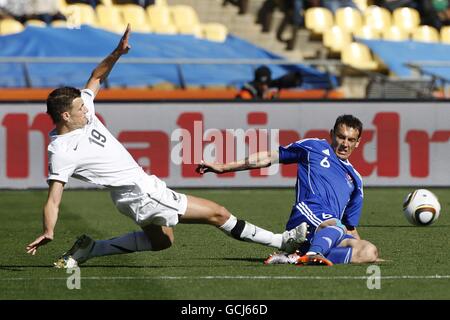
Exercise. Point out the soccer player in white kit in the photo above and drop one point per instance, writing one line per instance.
(82, 147)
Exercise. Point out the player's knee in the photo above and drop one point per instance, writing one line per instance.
(367, 252)
(221, 215)
(371, 252)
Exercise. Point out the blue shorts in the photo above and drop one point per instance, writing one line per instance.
(310, 212)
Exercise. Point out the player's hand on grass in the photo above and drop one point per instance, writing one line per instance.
(123, 47)
(205, 167)
(40, 241)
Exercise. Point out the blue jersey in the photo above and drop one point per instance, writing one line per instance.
(327, 187)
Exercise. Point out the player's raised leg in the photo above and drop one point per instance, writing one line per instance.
(208, 212)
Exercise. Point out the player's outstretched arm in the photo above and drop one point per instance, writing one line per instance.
(254, 161)
(102, 71)
(50, 216)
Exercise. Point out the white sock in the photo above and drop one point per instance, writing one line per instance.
(127, 243)
(243, 230)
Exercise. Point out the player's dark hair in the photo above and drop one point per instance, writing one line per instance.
(350, 121)
(60, 100)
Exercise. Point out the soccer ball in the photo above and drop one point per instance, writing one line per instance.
(421, 207)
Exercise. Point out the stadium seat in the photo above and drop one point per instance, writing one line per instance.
(59, 24)
(186, 20)
(358, 56)
(335, 39)
(62, 4)
(35, 23)
(160, 19)
(425, 34)
(9, 26)
(109, 18)
(445, 34)
(378, 18)
(395, 33)
(367, 32)
(214, 32)
(136, 16)
(78, 14)
(406, 18)
(349, 19)
(318, 20)
(361, 4)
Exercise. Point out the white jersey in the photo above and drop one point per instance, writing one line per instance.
(92, 154)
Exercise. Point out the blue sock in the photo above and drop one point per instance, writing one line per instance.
(340, 255)
(325, 239)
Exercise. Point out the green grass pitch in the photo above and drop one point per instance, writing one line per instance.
(205, 264)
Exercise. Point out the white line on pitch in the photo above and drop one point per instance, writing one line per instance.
(420, 277)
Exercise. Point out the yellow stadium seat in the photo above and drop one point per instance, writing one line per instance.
(136, 16)
(109, 18)
(160, 19)
(378, 18)
(161, 3)
(186, 20)
(59, 24)
(361, 4)
(35, 23)
(62, 4)
(214, 32)
(395, 33)
(10, 26)
(335, 39)
(367, 32)
(78, 14)
(445, 34)
(425, 34)
(406, 18)
(107, 2)
(359, 56)
(349, 19)
(318, 20)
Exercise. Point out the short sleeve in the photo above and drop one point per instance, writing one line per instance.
(88, 98)
(60, 167)
(353, 210)
(291, 153)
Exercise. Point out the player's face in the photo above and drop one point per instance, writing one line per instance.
(77, 114)
(344, 141)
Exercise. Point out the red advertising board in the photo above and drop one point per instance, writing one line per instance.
(403, 144)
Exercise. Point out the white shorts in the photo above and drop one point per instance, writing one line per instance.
(149, 201)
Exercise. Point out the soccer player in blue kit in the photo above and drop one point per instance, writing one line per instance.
(329, 195)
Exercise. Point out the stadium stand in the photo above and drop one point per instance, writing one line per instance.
(321, 41)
